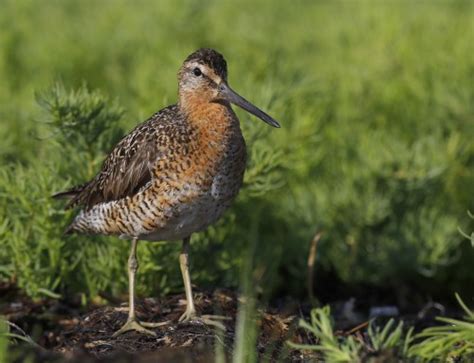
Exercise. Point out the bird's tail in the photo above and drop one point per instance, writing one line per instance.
(68, 194)
(71, 194)
(69, 229)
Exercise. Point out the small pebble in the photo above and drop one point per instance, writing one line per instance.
(383, 311)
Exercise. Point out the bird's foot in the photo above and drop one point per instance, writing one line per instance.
(212, 320)
(189, 314)
(141, 327)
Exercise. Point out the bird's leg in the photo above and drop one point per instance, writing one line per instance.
(190, 312)
(132, 322)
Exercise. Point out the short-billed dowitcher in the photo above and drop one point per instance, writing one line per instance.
(173, 175)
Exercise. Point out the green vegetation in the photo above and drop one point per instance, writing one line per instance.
(3, 341)
(451, 342)
(321, 327)
(376, 103)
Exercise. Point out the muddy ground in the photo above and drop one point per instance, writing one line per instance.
(62, 331)
(52, 330)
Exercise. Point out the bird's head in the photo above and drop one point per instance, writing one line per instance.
(203, 78)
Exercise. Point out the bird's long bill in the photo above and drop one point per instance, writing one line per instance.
(233, 97)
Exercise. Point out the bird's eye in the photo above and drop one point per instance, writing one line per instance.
(197, 72)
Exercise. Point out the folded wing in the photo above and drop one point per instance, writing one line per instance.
(125, 171)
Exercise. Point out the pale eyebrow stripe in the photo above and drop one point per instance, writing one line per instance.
(214, 78)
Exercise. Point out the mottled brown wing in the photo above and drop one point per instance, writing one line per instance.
(124, 172)
(127, 168)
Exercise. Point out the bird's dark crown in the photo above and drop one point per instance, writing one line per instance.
(210, 58)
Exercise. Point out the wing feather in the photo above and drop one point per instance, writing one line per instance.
(126, 169)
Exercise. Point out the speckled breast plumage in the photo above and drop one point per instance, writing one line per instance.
(192, 174)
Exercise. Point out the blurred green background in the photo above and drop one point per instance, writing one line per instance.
(376, 102)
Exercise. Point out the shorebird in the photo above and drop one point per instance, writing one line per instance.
(171, 176)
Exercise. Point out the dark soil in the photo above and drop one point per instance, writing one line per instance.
(64, 331)
(64, 334)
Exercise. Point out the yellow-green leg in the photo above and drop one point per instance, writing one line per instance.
(132, 322)
(190, 312)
